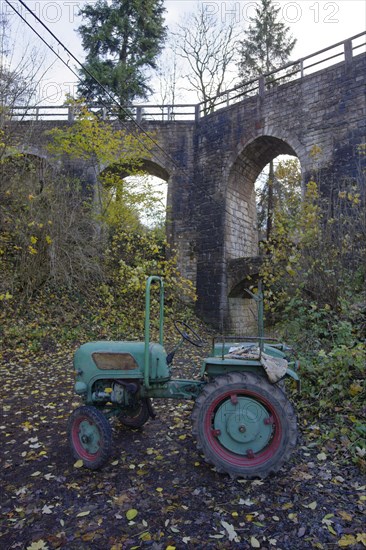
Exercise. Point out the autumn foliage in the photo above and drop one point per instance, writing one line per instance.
(314, 273)
(77, 259)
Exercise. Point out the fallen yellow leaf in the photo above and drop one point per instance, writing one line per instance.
(312, 505)
(79, 464)
(38, 545)
(131, 514)
(345, 515)
(82, 514)
(355, 389)
(254, 542)
(347, 540)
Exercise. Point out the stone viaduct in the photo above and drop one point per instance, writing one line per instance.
(211, 164)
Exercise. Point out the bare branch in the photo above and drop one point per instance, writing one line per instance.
(208, 48)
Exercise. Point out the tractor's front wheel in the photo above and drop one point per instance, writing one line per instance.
(90, 436)
(244, 426)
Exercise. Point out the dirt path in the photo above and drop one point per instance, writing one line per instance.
(181, 502)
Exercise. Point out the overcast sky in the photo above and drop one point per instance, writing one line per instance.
(315, 24)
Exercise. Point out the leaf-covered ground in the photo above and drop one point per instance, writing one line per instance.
(157, 491)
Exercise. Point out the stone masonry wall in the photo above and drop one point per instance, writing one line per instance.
(326, 109)
(212, 164)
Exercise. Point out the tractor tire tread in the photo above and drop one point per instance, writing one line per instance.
(262, 384)
(104, 428)
(138, 420)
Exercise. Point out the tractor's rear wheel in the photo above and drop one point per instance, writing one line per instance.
(90, 436)
(244, 425)
(138, 416)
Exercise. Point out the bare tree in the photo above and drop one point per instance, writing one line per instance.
(20, 75)
(208, 48)
(22, 70)
(169, 73)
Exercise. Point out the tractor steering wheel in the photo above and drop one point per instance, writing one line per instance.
(192, 337)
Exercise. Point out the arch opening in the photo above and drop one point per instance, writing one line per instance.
(241, 218)
(242, 233)
(278, 181)
(144, 195)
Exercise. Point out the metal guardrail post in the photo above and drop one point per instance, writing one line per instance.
(138, 114)
(197, 114)
(348, 53)
(70, 113)
(261, 85)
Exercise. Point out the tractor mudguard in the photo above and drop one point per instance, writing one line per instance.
(292, 374)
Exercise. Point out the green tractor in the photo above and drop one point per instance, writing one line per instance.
(242, 419)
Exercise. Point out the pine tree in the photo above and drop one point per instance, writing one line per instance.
(122, 39)
(267, 46)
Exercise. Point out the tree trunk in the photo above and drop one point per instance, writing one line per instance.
(270, 200)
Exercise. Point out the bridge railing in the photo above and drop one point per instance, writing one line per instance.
(342, 51)
(294, 70)
(137, 112)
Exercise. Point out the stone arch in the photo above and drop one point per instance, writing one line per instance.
(241, 239)
(147, 166)
(34, 151)
(241, 234)
(155, 169)
(29, 152)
